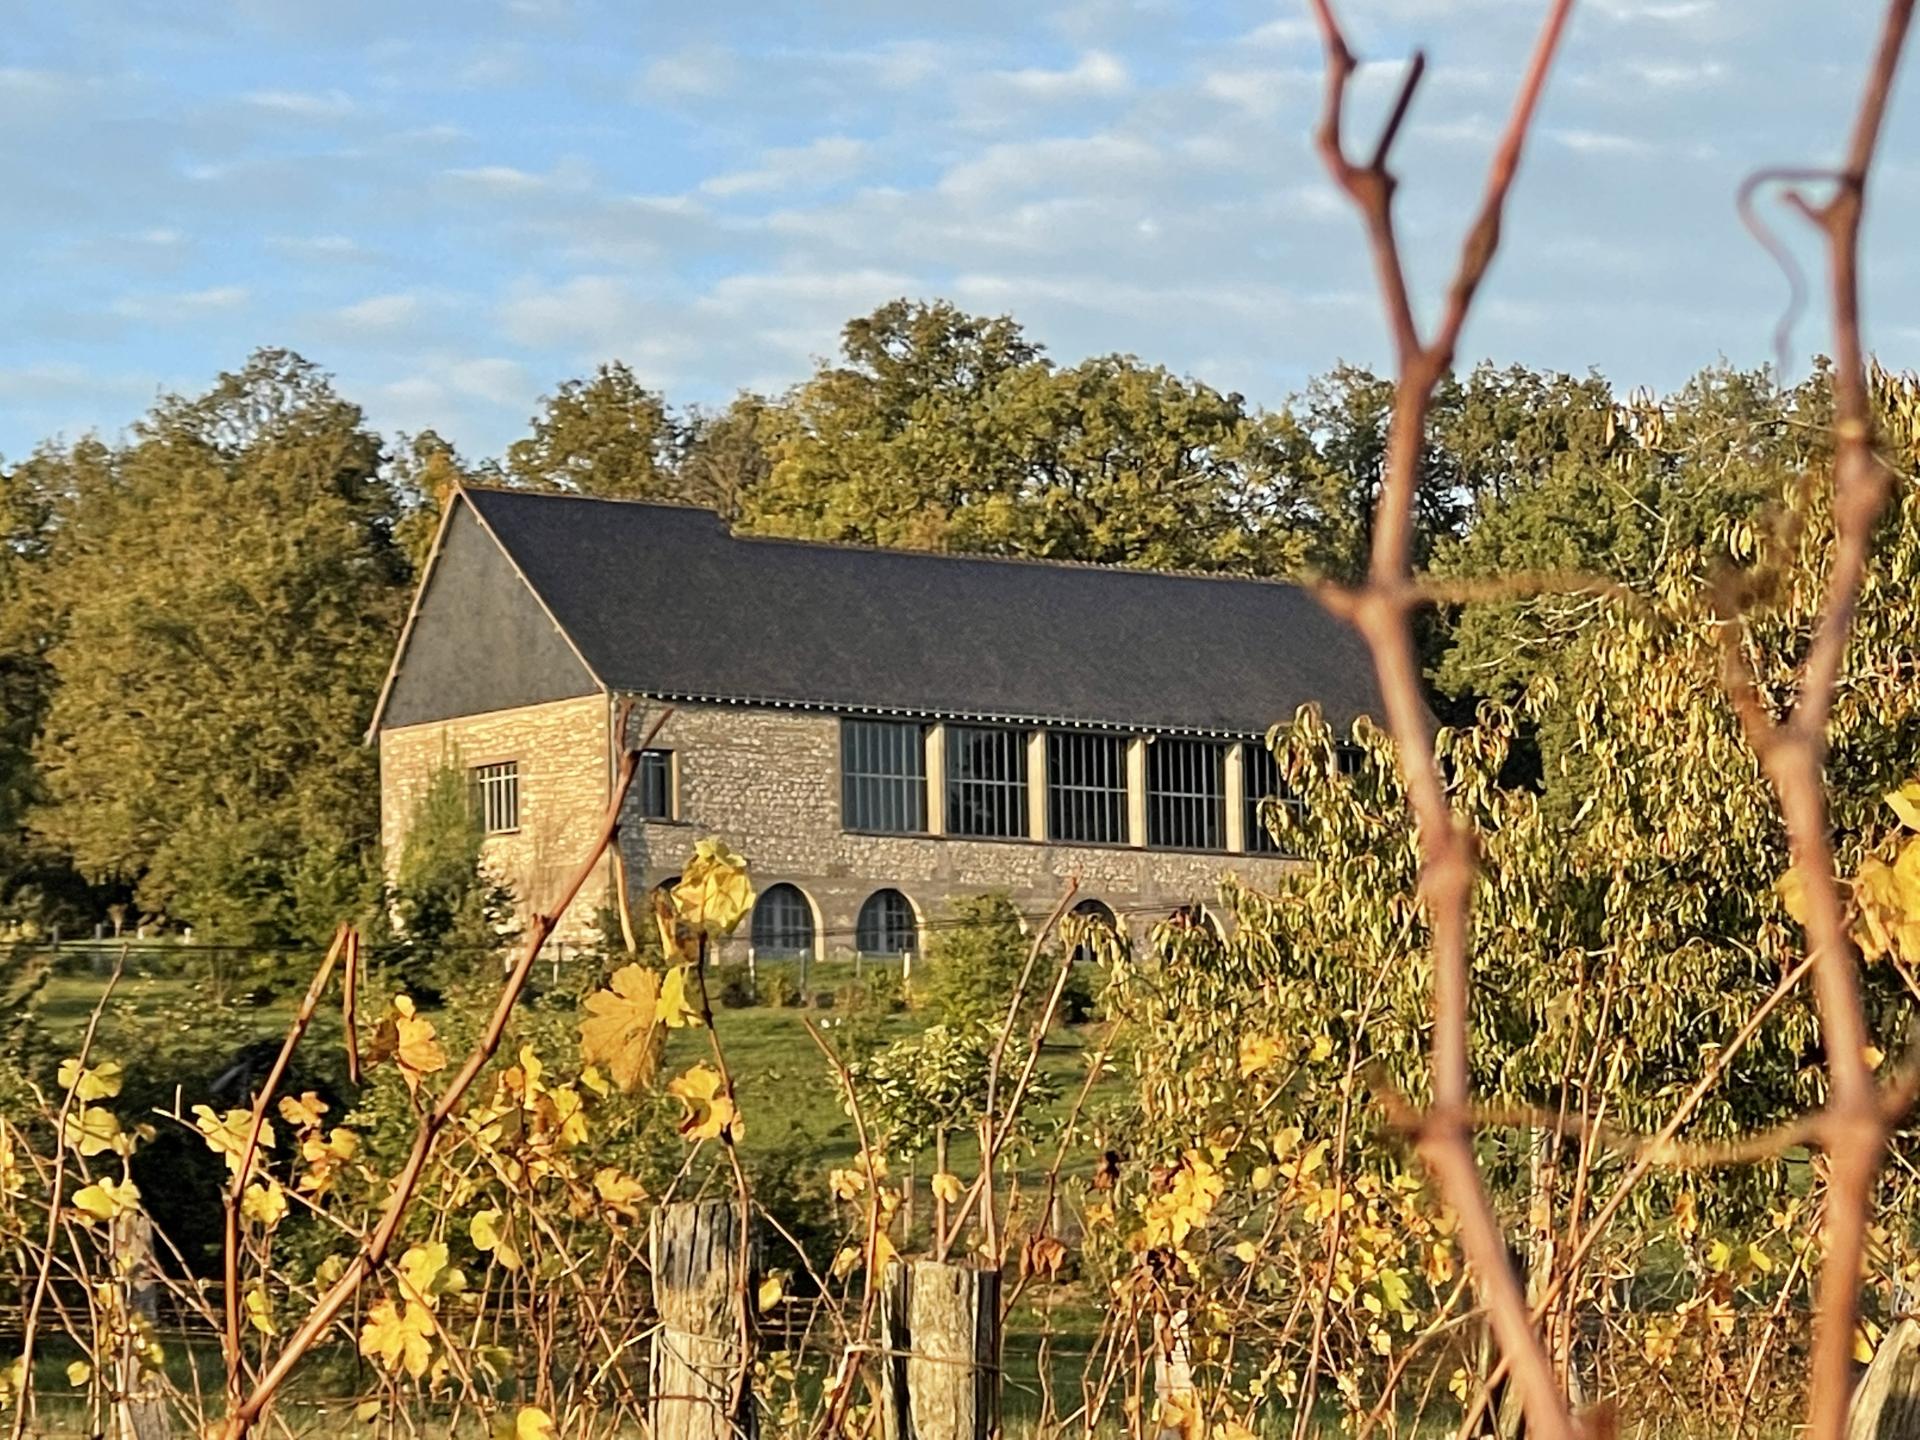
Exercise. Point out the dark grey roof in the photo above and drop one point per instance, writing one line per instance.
(663, 600)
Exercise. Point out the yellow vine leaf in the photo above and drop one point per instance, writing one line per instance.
(399, 1338)
(102, 1082)
(366, 1410)
(265, 1204)
(1905, 802)
(485, 1231)
(678, 943)
(1257, 1052)
(619, 1192)
(325, 1158)
(622, 1030)
(421, 1271)
(304, 1113)
(948, 1187)
(78, 1373)
(106, 1199)
(1792, 887)
(260, 1311)
(771, 1289)
(676, 1011)
(714, 893)
(91, 1130)
(226, 1135)
(846, 1262)
(409, 1041)
(711, 1113)
(533, 1423)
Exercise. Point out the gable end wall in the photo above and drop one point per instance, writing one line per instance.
(562, 749)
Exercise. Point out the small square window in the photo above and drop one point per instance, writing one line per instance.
(655, 785)
(496, 796)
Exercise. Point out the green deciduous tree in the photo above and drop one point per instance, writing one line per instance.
(608, 435)
(228, 586)
(946, 431)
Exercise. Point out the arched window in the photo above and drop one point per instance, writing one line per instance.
(886, 925)
(1195, 916)
(1093, 913)
(783, 924)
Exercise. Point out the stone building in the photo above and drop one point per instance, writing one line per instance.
(878, 732)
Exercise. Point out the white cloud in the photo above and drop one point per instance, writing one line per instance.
(1677, 75)
(826, 161)
(1283, 33)
(497, 381)
(512, 180)
(1258, 92)
(304, 105)
(18, 80)
(380, 312)
(1096, 73)
(1661, 11)
(1063, 165)
(319, 247)
(1602, 142)
(696, 73)
(586, 310)
(185, 305)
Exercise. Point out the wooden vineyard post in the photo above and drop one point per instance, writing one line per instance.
(940, 1332)
(140, 1409)
(1886, 1402)
(1173, 1374)
(697, 1381)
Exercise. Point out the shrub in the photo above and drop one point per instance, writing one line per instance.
(734, 987)
(975, 963)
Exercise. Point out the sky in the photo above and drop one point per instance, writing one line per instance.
(453, 205)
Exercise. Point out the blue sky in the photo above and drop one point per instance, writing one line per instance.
(453, 206)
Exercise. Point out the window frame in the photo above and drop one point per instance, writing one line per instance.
(493, 790)
(888, 927)
(970, 793)
(1186, 798)
(867, 740)
(668, 771)
(1259, 762)
(1086, 796)
(772, 949)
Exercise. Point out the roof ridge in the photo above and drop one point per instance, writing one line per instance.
(869, 547)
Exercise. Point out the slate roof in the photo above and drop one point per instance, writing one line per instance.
(663, 600)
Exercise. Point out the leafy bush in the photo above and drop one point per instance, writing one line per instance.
(734, 987)
(976, 963)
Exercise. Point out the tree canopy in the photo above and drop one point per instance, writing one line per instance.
(194, 620)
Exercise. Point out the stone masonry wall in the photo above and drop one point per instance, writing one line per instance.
(768, 783)
(563, 750)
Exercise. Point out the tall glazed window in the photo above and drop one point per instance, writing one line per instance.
(1187, 794)
(1264, 784)
(1086, 787)
(986, 781)
(883, 776)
